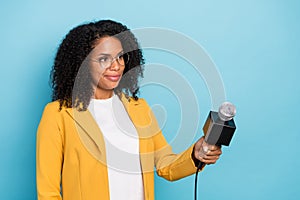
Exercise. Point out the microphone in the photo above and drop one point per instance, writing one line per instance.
(218, 129)
(219, 126)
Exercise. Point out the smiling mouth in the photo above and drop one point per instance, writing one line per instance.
(114, 78)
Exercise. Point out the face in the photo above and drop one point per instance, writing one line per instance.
(104, 80)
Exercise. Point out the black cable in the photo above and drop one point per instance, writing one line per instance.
(200, 165)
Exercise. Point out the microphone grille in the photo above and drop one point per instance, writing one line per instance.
(227, 111)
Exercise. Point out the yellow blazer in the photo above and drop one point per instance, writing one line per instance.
(71, 157)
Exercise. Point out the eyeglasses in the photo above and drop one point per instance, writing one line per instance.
(106, 61)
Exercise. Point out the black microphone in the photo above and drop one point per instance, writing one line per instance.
(219, 126)
(218, 129)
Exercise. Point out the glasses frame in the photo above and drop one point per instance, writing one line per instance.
(112, 60)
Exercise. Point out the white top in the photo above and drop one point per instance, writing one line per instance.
(122, 148)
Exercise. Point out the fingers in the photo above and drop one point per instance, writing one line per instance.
(211, 156)
(211, 160)
(206, 153)
(214, 147)
(216, 152)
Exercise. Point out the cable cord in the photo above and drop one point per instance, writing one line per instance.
(200, 165)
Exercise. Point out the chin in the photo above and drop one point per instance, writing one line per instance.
(111, 86)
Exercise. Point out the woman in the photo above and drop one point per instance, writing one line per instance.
(97, 139)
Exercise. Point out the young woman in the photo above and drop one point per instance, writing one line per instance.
(97, 139)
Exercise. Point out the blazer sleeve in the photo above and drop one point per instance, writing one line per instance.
(173, 166)
(169, 165)
(49, 155)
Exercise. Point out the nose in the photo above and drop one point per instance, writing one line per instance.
(115, 66)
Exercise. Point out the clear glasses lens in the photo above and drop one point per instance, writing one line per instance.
(106, 61)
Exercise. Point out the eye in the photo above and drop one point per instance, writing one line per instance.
(124, 57)
(121, 57)
(104, 59)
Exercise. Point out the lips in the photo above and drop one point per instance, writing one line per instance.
(113, 78)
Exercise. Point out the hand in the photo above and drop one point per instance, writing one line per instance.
(206, 153)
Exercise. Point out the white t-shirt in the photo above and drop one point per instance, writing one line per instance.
(122, 148)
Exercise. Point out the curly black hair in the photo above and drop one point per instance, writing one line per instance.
(71, 81)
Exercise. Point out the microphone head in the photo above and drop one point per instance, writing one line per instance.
(226, 111)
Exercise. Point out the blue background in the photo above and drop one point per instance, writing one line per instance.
(254, 44)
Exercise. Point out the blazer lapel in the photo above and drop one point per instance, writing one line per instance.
(89, 132)
(143, 126)
(92, 137)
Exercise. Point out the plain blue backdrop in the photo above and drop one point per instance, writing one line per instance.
(254, 44)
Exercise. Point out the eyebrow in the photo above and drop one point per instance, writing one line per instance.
(107, 54)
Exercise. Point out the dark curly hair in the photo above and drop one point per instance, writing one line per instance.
(71, 81)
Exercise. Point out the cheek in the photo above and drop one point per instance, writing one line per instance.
(122, 70)
(96, 74)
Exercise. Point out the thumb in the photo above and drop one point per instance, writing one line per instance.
(198, 144)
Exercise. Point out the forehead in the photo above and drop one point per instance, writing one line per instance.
(108, 45)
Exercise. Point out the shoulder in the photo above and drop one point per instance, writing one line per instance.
(53, 115)
(53, 108)
(137, 103)
(51, 122)
(54, 105)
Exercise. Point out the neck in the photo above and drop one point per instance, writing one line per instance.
(103, 95)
